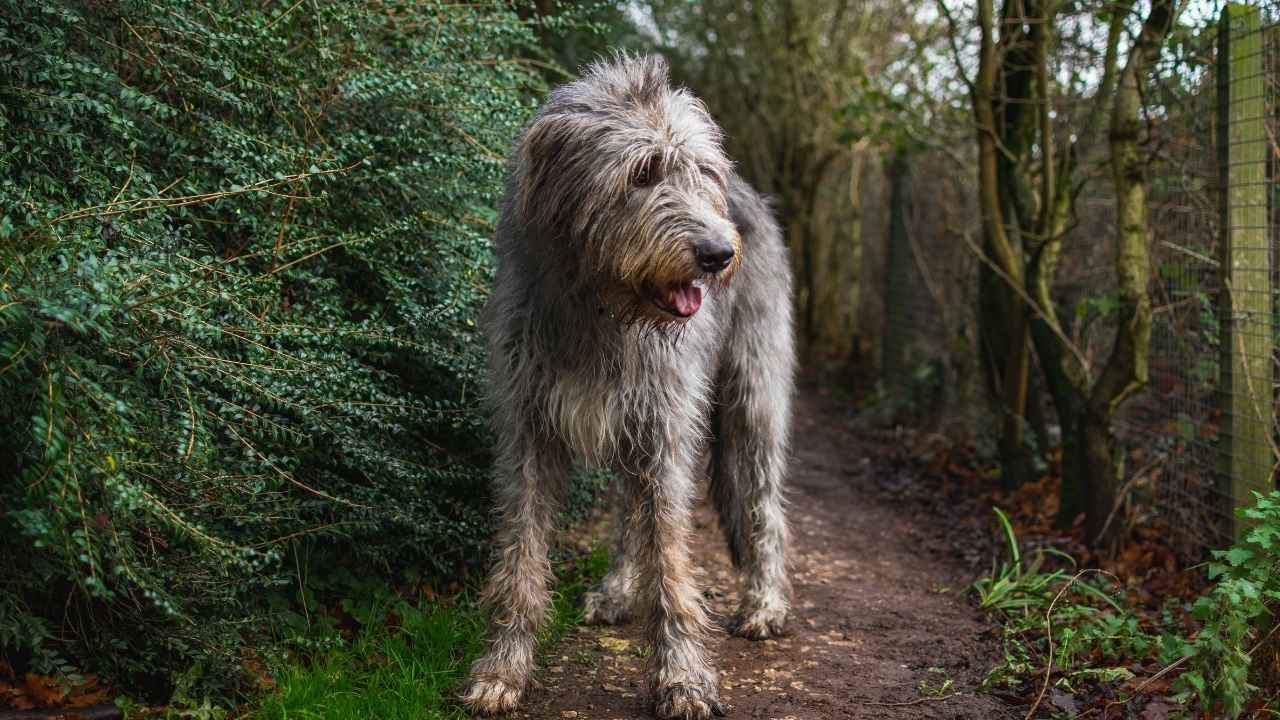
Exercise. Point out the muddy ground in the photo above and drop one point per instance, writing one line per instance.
(882, 626)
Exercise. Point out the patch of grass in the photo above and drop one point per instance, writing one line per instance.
(1017, 585)
(405, 672)
(1068, 621)
(405, 662)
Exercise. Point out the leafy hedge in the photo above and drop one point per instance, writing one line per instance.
(244, 244)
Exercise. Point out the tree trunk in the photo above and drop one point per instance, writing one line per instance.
(840, 271)
(1066, 377)
(1004, 342)
(1090, 478)
(797, 216)
(1104, 475)
(1126, 370)
(893, 359)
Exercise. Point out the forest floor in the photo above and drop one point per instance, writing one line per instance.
(882, 626)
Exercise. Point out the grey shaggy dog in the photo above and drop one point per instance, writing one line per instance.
(640, 321)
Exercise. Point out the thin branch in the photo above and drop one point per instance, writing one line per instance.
(955, 48)
(124, 207)
(1035, 307)
(1048, 625)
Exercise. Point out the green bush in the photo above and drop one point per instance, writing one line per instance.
(244, 245)
(1234, 611)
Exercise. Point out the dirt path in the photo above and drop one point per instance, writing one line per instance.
(877, 614)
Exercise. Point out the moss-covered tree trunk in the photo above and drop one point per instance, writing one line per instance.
(1091, 476)
(1126, 370)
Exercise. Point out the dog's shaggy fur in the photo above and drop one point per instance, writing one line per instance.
(621, 212)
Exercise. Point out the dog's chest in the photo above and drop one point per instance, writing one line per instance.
(636, 398)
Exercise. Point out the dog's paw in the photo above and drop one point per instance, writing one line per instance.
(600, 608)
(491, 696)
(687, 702)
(760, 623)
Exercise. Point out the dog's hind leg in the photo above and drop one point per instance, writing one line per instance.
(530, 476)
(748, 465)
(611, 603)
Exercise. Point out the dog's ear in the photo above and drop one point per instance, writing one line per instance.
(542, 160)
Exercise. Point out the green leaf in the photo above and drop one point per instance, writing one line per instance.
(1238, 556)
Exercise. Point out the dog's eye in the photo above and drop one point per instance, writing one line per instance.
(711, 175)
(647, 173)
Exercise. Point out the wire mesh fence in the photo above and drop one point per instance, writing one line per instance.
(1174, 428)
(1200, 438)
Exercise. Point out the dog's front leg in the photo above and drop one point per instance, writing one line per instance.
(683, 682)
(528, 482)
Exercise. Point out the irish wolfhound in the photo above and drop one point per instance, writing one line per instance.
(640, 320)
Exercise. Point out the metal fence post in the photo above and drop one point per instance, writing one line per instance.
(1245, 261)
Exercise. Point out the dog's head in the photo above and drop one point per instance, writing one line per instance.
(627, 176)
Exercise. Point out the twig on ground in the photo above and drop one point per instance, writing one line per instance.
(1138, 690)
(917, 701)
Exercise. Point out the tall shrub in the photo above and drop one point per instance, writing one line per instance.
(244, 245)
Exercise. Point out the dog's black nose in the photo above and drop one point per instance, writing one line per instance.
(713, 255)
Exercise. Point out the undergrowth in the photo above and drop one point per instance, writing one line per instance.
(1236, 613)
(1073, 632)
(1059, 624)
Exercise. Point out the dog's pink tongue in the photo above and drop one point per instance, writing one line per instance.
(686, 299)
